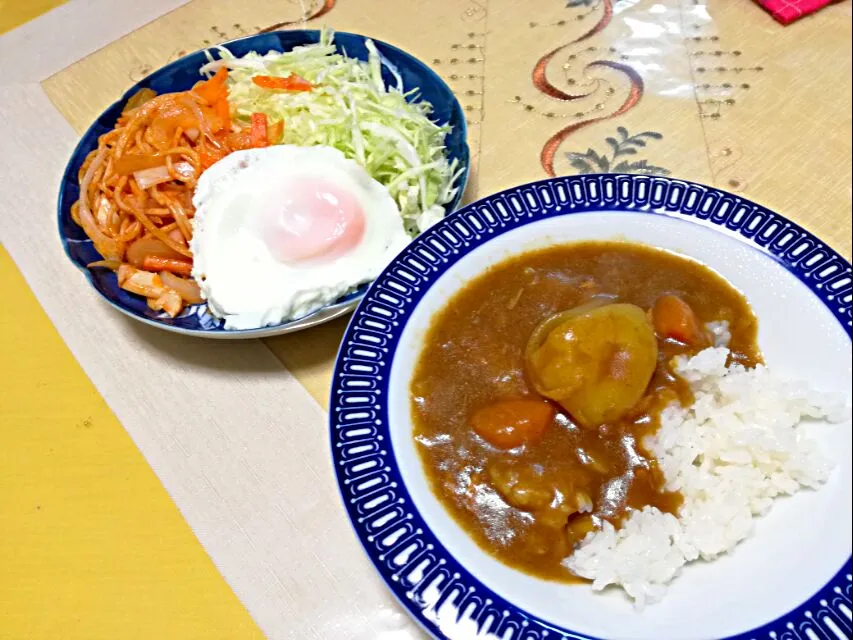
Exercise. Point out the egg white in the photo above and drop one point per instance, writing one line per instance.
(239, 278)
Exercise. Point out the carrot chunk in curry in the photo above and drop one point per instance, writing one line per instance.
(511, 423)
(540, 379)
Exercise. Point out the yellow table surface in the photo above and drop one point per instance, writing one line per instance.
(91, 545)
(14, 13)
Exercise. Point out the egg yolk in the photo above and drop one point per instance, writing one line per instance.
(312, 220)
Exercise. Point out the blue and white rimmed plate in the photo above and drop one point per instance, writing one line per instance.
(790, 581)
(181, 75)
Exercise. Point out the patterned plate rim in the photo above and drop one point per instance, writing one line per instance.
(334, 309)
(414, 564)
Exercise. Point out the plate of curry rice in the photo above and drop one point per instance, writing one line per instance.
(605, 407)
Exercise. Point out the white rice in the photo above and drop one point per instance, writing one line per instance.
(720, 332)
(730, 454)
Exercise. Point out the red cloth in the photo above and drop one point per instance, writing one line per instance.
(786, 11)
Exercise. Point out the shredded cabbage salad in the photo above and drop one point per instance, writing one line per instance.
(351, 109)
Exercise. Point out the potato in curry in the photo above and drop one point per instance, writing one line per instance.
(539, 380)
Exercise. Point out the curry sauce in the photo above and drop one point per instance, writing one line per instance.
(530, 505)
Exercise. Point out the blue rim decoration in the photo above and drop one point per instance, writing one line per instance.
(374, 494)
(181, 75)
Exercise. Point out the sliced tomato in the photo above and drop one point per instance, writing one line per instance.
(215, 89)
(292, 82)
(275, 132)
(259, 135)
(223, 110)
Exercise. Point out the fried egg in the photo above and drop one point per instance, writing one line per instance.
(282, 231)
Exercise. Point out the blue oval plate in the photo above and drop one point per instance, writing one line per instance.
(181, 75)
(790, 581)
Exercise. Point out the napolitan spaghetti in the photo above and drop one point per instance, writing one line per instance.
(136, 188)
